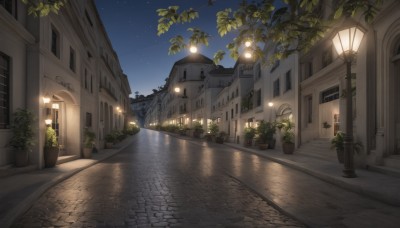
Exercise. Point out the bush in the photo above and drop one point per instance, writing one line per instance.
(89, 138)
(214, 129)
(22, 138)
(50, 138)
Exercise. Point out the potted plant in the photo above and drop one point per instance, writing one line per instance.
(50, 148)
(338, 143)
(265, 131)
(213, 129)
(249, 134)
(22, 138)
(286, 126)
(197, 130)
(110, 139)
(221, 137)
(88, 143)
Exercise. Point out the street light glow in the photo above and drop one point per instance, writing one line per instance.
(270, 104)
(48, 121)
(247, 43)
(193, 49)
(46, 100)
(177, 89)
(348, 40)
(247, 55)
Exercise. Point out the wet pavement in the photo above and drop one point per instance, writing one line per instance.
(158, 181)
(162, 181)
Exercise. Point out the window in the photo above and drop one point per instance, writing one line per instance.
(184, 74)
(330, 94)
(258, 98)
(237, 108)
(88, 18)
(258, 71)
(184, 92)
(86, 79)
(288, 80)
(91, 83)
(309, 69)
(4, 91)
(232, 113)
(88, 119)
(72, 59)
(226, 115)
(309, 109)
(233, 95)
(276, 88)
(327, 57)
(10, 6)
(55, 42)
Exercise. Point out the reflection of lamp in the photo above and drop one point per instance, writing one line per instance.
(347, 42)
(48, 121)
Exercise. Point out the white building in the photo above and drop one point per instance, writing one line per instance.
(69, 59)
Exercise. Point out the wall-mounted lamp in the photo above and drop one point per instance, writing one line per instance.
(48, 121)
(55, 106)
(270, 104)
(177, 89)
(46, 99)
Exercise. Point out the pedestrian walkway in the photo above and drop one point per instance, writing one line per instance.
(18, 192)
(384, 188)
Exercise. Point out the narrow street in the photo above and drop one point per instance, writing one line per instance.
(163, 181)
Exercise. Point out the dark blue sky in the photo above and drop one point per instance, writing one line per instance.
(132, 28)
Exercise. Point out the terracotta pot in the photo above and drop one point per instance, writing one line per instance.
(21, 158)
(340, 155)
(288, 148)
(262, 146)
(87, 152)
(50, 156)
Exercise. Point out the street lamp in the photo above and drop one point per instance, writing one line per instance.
(193, 49)
(347, 42)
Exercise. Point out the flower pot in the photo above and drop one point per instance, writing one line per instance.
(21, 158)
(262, 146)
(50, 156)
(109, 145)
(340, 155)
(288, 148)
(87, 152)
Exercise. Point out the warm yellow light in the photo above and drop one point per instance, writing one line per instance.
(177, 89)
(193, 49)
(118, 108)
(55, 106)
(46, 100)
(247, 43)
(270, 104)
(247, 55)
(48, 121)
(133, 123)
(348, 40)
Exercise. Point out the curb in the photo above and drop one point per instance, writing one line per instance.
(26, 203)
(327, 178)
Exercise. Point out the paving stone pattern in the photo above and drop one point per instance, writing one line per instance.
(158, 181)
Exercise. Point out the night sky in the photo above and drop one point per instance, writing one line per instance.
(132, 28)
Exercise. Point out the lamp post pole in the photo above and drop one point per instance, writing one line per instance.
(348, 170)
(347, 42)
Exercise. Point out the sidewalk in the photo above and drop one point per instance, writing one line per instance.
(18, 192)
(375, 185)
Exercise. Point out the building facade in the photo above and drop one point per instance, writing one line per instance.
(62, 68)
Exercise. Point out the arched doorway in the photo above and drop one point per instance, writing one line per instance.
(65, 115)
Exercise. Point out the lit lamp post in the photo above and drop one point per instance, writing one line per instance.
(346, 43)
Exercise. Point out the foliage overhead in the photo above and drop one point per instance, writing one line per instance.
(44, 7)
(292, 27)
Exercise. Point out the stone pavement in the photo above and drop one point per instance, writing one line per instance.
(18, 192)
(384, 188)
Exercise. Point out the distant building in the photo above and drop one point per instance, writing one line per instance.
(139, 106)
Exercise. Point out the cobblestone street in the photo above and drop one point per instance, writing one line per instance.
(158, 181)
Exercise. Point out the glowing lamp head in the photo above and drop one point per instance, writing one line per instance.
(247, 43)
(55, 106)
(48, 121)
(270, 104)
(193, 49)
(348, 41)
(46, 100)
(247, 55)
(177, 89)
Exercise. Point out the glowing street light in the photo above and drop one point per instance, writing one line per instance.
(247, 43)
(270, 104)
(193, 49)
(347, 42)
(177, 89)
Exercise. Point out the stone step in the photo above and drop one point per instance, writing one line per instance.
(386, 170)
(392, 161)
(66, 158)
